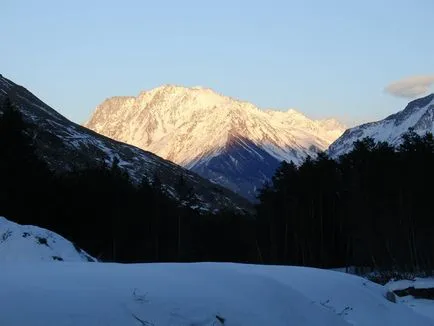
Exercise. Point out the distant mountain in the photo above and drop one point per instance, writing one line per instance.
(418, 114)
(30, 243)
(230, 142)
(65, 145)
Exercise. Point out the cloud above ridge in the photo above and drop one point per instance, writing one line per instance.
(411, 87)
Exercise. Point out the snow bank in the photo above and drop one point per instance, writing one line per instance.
(355, 299)
(192, 294)
(37, 292)
(422, 306)
(417, 283)
(31, 243)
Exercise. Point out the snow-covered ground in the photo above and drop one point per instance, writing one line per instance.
(30, 243)
(192, 294)
(417, 283)
(421, 306)
(37, 289)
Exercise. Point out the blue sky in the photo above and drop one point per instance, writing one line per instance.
(325, 58)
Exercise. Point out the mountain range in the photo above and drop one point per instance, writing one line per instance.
(230, 142)
(66, 146)
(418, 115)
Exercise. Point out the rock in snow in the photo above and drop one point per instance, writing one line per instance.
(418, 114)
(422, 306)
(232, 143)
(30, 243)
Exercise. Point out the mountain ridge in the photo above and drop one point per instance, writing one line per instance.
(66, 146)
(417, 115)
(191, 126)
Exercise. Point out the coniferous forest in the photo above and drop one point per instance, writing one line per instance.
(373, 208)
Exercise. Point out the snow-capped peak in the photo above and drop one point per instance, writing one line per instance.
(191, 126)
(182, 124)
(418, 114)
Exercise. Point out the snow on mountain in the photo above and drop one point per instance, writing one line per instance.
(66, 146)
(206, 294)
(28, 243)
(230, 142)
(418, 114)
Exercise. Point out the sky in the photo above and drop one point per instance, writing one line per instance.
(356, 61)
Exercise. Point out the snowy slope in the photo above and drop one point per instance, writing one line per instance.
(418, 114)
(65, 146)
(199, 129)
(28, 243)
(355, 299)
(192, 294)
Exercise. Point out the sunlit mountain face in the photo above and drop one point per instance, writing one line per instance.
(66, 146)
(232, 143)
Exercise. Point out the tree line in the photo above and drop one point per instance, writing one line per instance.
(372, 207)
(102, 211)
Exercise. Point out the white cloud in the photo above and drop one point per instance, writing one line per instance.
(411, 87)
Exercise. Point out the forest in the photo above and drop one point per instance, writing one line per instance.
(372, 207)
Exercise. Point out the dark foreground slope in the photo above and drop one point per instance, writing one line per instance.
(66, 146)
